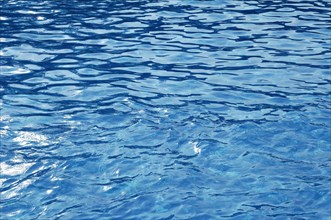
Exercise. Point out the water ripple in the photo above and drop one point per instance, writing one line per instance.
(165, 109)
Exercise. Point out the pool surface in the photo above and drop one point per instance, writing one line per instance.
(165, 109)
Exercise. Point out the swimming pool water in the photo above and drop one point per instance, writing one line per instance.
(165, 109)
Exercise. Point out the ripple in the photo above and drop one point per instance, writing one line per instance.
(165, 109)
(9, 70)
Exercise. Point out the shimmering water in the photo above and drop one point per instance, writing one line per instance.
(165, 109)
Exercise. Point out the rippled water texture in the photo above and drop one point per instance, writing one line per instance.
(165, 109)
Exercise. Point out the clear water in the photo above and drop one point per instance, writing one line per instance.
(165, 109)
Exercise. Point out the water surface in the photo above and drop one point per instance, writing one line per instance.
(165, 109)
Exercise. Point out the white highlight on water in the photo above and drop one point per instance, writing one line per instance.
(26, 138)
(196, 149)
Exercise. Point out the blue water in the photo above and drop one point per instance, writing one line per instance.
(165, 109)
